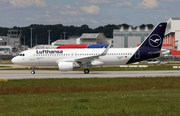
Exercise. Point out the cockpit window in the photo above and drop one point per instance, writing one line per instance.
(21, 55)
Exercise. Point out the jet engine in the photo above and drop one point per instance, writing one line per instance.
(67, 66)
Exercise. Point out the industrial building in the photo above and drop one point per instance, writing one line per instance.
(10, 44)
(64, 42)
(93, 38)
(12, 39)
(172, 35)
(86, 38)
(127, 38)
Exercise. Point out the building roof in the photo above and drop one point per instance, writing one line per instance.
(175, 18)
(130, 29)
(44, 47)
(89, 35)
(62, 42)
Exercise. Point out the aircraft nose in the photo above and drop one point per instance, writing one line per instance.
(14, 60)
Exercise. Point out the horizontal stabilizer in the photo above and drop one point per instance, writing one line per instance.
(157, 52)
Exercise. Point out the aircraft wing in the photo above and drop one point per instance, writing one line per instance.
(86, 59)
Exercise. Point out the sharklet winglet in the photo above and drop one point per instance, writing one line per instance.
(106, 50)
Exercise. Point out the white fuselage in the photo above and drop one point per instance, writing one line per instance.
(51, 57)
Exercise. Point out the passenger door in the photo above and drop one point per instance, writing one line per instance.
(32, 55)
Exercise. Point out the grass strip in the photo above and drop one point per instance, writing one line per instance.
(97, 96)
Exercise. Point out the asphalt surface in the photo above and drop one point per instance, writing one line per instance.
(26, 74)
(43, 74)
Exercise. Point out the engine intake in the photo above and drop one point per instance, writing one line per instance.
(67, 66)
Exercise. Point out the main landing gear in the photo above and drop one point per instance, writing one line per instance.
(33, 70)
(86, 71)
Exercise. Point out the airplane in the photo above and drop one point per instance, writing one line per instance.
(157, 62)
(69, 59)
(165, 52)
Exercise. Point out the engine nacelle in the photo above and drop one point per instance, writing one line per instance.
(67, 66)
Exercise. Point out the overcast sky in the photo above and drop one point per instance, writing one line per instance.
(94, 13)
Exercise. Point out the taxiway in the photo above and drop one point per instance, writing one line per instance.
(26, 74)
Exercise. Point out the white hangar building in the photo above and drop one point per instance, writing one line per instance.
(127, 38)
(172, 34)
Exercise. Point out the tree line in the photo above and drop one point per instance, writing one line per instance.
(57, 31)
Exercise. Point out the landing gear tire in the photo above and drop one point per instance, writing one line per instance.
(86, 71)
(32, 72)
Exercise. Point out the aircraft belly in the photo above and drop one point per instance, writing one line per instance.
(114, 61)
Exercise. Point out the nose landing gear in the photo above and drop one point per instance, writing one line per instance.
(33, 70)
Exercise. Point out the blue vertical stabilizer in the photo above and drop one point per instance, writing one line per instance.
(151, 46)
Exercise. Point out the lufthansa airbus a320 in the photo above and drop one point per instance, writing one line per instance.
(68, 59)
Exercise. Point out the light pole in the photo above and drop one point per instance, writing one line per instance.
(64, 34)
(60, 36)
(24, 41)
(36, 40)
(49, 37)
(31, 36)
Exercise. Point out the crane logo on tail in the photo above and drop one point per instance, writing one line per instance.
(155, 40)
